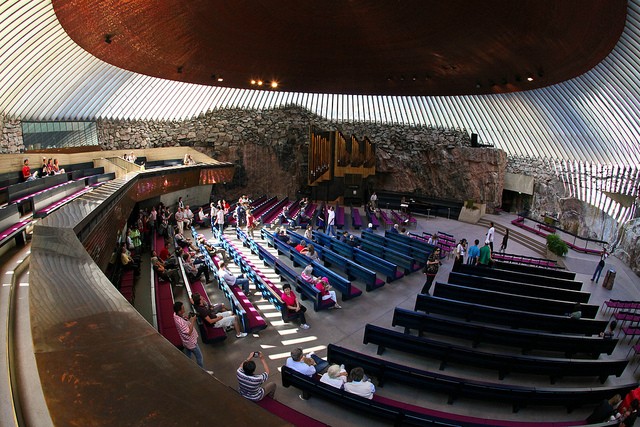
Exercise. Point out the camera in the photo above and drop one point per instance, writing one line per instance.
(256, 354)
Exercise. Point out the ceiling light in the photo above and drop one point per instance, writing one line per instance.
(180, 70)
(530, 78)
(253, 82)
(108, 38)
(274, 85)
(220, 79)
(259, 82)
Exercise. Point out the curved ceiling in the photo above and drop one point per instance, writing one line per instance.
(357, 47)
(593, 118)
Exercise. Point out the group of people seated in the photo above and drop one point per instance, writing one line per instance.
(48, 167)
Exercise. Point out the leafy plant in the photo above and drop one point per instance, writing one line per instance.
(470, 204)
(556, 245)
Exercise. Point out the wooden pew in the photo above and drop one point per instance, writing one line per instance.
(480, 333)
(517, 288)
(518, 277)
(504, 363)
(505, 300)
(508, 317)
(455, 387)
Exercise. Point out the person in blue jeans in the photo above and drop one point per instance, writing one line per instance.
(331, 221)
(600, 266)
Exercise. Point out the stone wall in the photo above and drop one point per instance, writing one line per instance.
(269, 149)
(10, 136)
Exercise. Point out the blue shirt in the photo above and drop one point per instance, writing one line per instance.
(474, 251)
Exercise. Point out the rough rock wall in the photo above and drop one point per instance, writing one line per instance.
(269, 149)
(10, 136)
(628, 248)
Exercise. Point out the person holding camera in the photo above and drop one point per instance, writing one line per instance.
(251, 386)
(188, 333)
(431, 269)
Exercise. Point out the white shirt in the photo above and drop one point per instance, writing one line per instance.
(361, 388)
(331, 218)
(490, 234)
(334, 382)
(301, 367)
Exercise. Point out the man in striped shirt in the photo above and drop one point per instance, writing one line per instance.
(188, 333)
(250, 385)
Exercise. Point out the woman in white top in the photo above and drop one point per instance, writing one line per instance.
(335, 376)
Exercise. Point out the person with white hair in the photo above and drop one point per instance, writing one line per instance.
(335, 376)
(369, 228)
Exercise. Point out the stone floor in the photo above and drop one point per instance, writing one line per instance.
(345, 327)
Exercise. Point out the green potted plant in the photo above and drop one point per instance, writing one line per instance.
(556, 245)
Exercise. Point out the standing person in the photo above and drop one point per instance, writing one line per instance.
(484, 259)
(188, 333)
(219, 222)
(473, 253)
(431, 270)
(294, 309)
(250, 385)
(596, 274)
(505, 240)
(179, 217)
(331, 221)
(251, 223)
(490, 235)
(374, 200)
(460, 251)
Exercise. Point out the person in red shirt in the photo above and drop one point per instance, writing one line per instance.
(293, 310)
(302, 247)
(326, 293)
(26, 171)
(164, 253)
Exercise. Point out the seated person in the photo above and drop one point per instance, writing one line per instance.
(166, 274)
(576, 312)
(326, 292)
(394, 229)
(335, 376)
(309, 365)
(369, 228)
(216, 315)
(352, 241)
(215, 248)
(285, 218)
(232, 280)
(282, 235)
(26, 171)
(312, 254)
(251, 386)
(307, 275)
(293, 308)
(308, 233)
(302, 247)
(193, 272)
(358, 385)
(608, 334)
(202, 219)
(128, 263)
(56, 167)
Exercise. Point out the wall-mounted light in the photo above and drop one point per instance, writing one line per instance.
(108, 38)
(180, 69)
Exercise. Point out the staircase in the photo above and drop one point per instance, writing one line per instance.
(517, 236)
